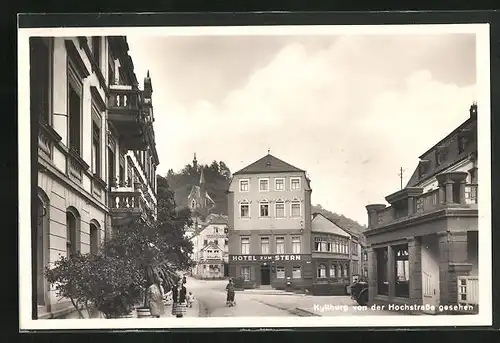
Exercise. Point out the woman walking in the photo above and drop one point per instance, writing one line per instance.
(179, 300)
(230, 294)
(155, 296)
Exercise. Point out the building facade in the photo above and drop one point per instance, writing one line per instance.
(423, 248)
(269, 213)
(336, 254)
(97, 157)
(210, 249)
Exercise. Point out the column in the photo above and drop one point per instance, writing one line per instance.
(391, 277)
(449, 192)
(453, 262)
(372, 273)
(442, 194)
(411, 205)
(415, 264)
(462, 191)
(125, 171)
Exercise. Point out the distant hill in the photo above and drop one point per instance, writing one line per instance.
(341, 220)
(218, 177)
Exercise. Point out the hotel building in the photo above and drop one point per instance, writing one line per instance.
(269, 212)
(423, 248)
(96, 153)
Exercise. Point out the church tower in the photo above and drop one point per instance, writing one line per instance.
(195, 162)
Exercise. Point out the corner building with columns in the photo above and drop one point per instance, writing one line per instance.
(269, 225)
(423, 247)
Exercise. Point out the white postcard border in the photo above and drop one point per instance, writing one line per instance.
(484, 160)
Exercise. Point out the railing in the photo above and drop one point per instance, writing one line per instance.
(124, 99)
(468, 290)
(125, 199)
(427, 201)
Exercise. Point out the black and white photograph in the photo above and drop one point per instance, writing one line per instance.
(257, 176)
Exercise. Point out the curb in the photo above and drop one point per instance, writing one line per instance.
(305, 313)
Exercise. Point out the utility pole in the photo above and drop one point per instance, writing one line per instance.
(401, 170)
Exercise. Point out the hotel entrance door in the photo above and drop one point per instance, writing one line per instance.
(265, 274)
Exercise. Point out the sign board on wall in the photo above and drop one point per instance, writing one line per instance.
(266, 258)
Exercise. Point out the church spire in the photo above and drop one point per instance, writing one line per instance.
(202, 178)
(195, 162)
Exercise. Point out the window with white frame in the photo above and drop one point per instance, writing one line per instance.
(321, 271)
(295, 208)
(280, 245)
(295, 183)
(296, 272)
(296, 245)
(264, 245)
(245, 209)
(279, 184)
(245, 273)
(280, 272)
(244, 185)
(279, 209)
(245, 245)
(264, 185)
(264, 208)
(333, 270)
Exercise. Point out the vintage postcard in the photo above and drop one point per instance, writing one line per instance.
(254, 177)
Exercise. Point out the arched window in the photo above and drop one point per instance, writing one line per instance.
(193, 204)
(333, 270)
(279, 210)
(94, 237)
(264, 208)
(72, 231)
(321, 271)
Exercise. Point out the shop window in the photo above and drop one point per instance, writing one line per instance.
(321, 271)
(245, 273)
(382, 280)
(280, 272)
(297, 272)
(402, 274)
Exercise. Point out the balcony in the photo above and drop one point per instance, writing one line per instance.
(126, 115)
(453, 193)
(125, 204)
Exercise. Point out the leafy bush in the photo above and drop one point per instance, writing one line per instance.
(109, 284)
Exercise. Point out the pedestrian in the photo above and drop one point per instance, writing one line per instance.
(190, 299)
(230, 293)
(184, 280)
(155, 297)
(179, 300)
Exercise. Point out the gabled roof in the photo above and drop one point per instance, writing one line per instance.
(322, 224)
(196, 193)
(268, 164)
(211, 245)
(218, 220)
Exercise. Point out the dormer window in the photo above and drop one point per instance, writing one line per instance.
(440, 154)
(423, 168)
(464, 139)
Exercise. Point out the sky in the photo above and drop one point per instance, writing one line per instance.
(350, 110)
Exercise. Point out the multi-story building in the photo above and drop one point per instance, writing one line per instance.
(336, 254)
(269, 212)
(97, 157)
(423, 248)
(210, 249)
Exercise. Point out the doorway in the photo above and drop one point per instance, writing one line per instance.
(265, 275)
(430, 272)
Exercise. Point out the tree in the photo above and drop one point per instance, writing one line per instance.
(172, 225)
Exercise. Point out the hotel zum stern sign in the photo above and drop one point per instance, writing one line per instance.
(265, 258)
